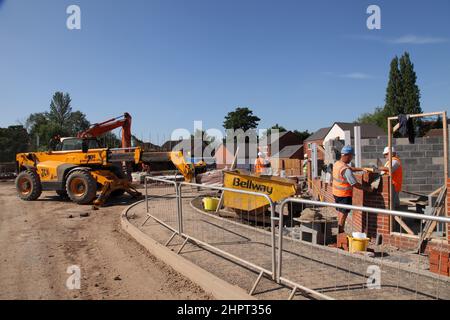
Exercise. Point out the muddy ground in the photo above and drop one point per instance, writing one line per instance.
(39, 240)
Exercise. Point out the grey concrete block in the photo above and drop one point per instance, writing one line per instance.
(399, 141)
(438, 146)
(425, 147)
(433, 153)
(424, 160)
(426, 188)
(433, 140)
(369, 149)
(437, 173)
(410, 161)
(438, 161)
(412, 188)
(419, 181)
(434, 181)
(435, 167)
(420, 174)
(417, 154)
(410, 147)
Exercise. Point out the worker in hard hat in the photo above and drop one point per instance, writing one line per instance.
(259, 164)
(397, 175)
(343, 183)
(305, 165)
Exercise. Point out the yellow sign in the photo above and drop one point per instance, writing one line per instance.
(276, 188)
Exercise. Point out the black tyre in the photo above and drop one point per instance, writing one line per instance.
(62, 193)
(81, 187)
(28, 185)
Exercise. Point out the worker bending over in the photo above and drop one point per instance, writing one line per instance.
(397, 175)
(343, 183)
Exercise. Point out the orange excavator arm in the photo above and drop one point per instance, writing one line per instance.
(98, 129)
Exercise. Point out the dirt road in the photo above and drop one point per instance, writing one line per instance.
(39, 240)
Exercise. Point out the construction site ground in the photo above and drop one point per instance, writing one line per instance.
(327, 270)
(39, 240)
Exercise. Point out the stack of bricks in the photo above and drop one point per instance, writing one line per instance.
(371, 223)
(439, 261)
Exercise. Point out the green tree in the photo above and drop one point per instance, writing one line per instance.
(411, 92)
(378, 117)
(202, 135)
(13, 140)
(394, 91)
(275, 127)
(59, 120)
(303, 135)
(402, 95)
(241, 118)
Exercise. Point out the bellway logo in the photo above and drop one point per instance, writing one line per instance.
(249, 184)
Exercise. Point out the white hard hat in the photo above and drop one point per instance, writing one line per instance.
(260, 154)
(386, 150)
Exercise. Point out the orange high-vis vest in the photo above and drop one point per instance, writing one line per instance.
(259, 165)
(341, 187)
(397, 175)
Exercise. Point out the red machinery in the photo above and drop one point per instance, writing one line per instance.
(98, 129)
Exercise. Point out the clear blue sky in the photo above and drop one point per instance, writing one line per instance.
(302, 64)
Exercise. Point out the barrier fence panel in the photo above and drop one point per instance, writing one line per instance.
(230, 233)
(245, 237)
(161, 204)
(310, 260)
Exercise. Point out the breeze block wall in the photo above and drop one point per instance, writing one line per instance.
(423, 161)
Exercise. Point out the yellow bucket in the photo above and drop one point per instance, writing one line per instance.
(210, 204)
(355, 245)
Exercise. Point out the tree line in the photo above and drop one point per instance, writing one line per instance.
(402, 97)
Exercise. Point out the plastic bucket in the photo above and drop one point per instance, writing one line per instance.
(136, 177)
(355, 245)
(210, 204)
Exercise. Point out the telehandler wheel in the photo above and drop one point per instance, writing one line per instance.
(81, 187)
(28, 185)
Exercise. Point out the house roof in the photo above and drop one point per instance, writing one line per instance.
(267, 141)
(318, 135)
(367, 130)
(288, 151)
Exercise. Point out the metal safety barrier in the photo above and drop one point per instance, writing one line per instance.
(209, 231)
(308, 265)
(312, 264)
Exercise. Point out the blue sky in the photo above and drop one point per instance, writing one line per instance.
(302, 64)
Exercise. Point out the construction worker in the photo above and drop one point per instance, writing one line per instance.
(259, 164)
(262, 164)
(343, 183)
(54, 142)
(397, 175)
(305, 165)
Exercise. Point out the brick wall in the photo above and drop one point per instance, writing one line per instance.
(374, 224)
